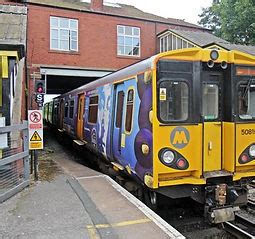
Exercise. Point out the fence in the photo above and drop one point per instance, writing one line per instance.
(14, 160)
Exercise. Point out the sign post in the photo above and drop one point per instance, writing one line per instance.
(35, 125)
(35, 133)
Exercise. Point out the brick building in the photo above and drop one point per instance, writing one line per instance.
(71, 42)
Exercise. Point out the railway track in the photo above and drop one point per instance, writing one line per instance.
(244, 224)
(238, 230)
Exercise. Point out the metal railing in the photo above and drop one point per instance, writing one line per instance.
(14, 160)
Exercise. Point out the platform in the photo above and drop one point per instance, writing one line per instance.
(76, 202)
(114, 212)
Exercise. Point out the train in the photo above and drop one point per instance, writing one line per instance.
(180, 123)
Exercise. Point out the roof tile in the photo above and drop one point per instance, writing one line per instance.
(124, 10)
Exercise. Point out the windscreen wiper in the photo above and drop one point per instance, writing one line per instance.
(247, 87)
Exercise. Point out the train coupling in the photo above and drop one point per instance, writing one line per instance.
(220, 203)
(222, 215)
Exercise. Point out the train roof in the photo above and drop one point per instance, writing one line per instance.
(147, 64)
(124, 73)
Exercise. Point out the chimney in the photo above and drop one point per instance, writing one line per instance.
(97, 5)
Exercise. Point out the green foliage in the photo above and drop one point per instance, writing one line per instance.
(232, 20)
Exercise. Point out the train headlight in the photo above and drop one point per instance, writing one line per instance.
(252, 151)
(167, 156)
(214, 55)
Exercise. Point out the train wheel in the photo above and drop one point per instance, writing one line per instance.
(151, 199)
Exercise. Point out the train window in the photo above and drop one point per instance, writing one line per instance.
(56, 110)
(66, 109)
(93, 108)
(246, 99)
(173, 101)
(129, 110)
(71, 109)
(119, 111)
(210, 101)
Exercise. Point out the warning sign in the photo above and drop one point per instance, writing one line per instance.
(35, 116)
(162, 94)
(35, 126)
(36, 137)
(35, 145)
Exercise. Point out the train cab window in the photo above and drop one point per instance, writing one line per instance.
(71, 109)
(210, 101)
(173, 101)
(246, 99)
(129, 110)
(93, 109)
(66, 109)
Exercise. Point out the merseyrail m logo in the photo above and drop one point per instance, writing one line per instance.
(180, 137)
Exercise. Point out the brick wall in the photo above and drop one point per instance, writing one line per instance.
(97, 39)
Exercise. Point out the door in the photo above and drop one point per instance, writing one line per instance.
(117, 121)
(80, 110)
(212, 121)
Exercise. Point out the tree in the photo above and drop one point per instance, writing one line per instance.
(232, 20)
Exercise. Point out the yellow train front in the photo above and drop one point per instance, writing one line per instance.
(203, 125)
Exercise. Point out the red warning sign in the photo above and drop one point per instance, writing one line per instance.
(35, 126)
(35, 116)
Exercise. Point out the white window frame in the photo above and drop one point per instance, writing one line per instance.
(165, 46)
(69, 38)
(125, 36)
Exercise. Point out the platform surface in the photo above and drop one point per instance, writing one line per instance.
(114, 212)
(74, 201)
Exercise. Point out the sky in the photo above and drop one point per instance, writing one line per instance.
(180, 9)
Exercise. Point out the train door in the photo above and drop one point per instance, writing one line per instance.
(80, 110)
(61, 113)
(212, 121)
(117, 122)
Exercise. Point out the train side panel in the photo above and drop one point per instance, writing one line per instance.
(105, 105)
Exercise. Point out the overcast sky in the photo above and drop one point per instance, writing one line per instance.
(181, 9)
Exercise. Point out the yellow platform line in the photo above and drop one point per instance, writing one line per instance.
(93, 232)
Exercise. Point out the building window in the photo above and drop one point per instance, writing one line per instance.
(128, 41)
(63, 34)
(93, 108)
(71, 110)
(172, 42)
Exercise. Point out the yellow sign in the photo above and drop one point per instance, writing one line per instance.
(36, 137)
(35, 145)
(162, 94)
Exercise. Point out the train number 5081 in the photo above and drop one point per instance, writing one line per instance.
(247, 131)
